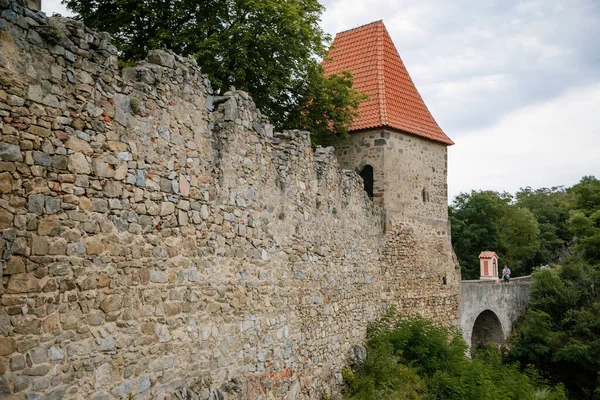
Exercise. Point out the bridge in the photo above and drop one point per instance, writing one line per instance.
(489, 309)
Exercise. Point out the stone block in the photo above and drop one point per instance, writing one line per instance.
(15, 265)
(29, 326)
(10, 152)
(78, 164)
(56, 394)
(35, 203)
(23, 283)
(100, 205)
(8, 346)
(76, 249)
(111, 303)
(102, 169)
(40, 131)
(6, 219)
(39, 355)
(102, 376)
(167, 208)
(158, 276)
(48, 226)
(17, 362)
(79, 145)
(51, 324)
(41, 383)
(161, 57)
(39, 245)
(6, 182)
(52, 204)
(21, 383)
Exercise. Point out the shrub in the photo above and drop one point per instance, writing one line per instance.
(411, 358)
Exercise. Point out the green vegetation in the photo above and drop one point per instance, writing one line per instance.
(559, 336)
(528, 229)
(269, 48)
(414, 359)
(135, 105)
(488, 220)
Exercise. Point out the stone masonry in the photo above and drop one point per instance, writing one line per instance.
(160, 241)
(421, 270)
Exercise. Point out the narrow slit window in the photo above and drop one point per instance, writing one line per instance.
(367, 175)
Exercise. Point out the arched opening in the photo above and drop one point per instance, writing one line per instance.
(367, 174)
(486, 329)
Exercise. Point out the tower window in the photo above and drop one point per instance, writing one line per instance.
(425, 194)
(367, 175)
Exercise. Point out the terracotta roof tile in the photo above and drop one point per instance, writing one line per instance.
(394, 101)
(488, 254)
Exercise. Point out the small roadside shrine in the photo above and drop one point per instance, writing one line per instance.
(488, 265)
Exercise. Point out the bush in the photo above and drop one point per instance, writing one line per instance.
(411, 358)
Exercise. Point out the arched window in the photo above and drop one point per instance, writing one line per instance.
(367, 175)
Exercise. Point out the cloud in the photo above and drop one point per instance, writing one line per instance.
(515, 83)
(51, 7)
(549, 144)
(456, 50)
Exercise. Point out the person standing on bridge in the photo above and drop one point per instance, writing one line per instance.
(506, 274)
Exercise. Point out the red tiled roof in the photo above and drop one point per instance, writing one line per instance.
(370, 55)
(488, 254)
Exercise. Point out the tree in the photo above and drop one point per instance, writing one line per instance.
(326, 104)
(486, 220)
(269, 48)
(519, 233)
(584, 218)
(560, 334)
(474, 221)
(548, 205)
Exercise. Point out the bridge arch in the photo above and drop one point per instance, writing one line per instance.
(489, 309)
(487, 328)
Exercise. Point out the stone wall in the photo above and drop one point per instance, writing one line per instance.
(161, 241)
(410, 173)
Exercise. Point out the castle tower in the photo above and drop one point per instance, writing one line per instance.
(401, 153)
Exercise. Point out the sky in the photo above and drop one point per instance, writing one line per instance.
(514, 83)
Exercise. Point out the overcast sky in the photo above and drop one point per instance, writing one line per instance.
(515, 83)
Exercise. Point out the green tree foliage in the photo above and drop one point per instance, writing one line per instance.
(560, 334)
(266, 47)
(550, 210)
(584, 218)
(414, 359)
(486, 220)
(327, 104)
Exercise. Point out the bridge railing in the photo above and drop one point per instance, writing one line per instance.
(520, 279)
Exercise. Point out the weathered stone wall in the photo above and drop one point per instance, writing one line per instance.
(410, 173)
(160, 241)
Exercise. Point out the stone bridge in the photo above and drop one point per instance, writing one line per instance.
(489, 309)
